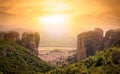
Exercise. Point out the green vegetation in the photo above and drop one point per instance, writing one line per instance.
(103, 62)
(15, 59)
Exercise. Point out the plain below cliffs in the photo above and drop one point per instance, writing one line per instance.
(29, 40)
(90, 42)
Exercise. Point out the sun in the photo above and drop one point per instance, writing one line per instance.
(53, 19)
(54, 25)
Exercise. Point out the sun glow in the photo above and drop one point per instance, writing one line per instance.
(53, 19)
(54, 22)
(54, 25)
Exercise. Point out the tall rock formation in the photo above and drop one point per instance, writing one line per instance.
(89, 42)
(112, 38)
(11, 36)
(31, 40)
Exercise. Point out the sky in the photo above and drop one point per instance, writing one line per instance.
(59, 21)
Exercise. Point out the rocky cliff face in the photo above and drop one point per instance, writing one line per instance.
(112, 38)
(92, 41)
(31, 40)
(89, 42)
(10, 36)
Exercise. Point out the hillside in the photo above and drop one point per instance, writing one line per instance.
(103, 62)
(15, 59)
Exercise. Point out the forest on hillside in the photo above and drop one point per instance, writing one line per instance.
(19, 60)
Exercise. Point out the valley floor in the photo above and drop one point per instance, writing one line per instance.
(56, 55)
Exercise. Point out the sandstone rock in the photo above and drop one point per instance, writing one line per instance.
(112, 38)
(31, 41)
(89, 42)
(12, 36)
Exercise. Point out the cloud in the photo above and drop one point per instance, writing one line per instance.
(85, 10)
(85, 14)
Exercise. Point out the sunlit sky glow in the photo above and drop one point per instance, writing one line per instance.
(59, 21)
(54, 25)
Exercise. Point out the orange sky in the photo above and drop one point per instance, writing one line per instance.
(82, 15)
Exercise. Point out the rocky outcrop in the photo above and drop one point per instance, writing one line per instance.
(89, 42)
(31, 40)
(12, 36)
(92, 41)
(112, 38)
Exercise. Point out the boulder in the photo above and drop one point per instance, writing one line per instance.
(89, 42)
(31, 40)
(112, 38)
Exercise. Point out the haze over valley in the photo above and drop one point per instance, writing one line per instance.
(59, 36)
